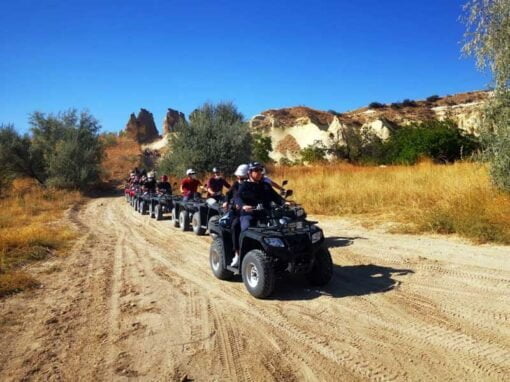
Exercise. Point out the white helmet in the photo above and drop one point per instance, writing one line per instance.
(190, 171)
(242, 170)
(150, 174)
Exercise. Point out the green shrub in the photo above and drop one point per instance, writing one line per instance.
(437, 140)
(433, 98)
(216, 136)
(313, 153)
(376, 105)
(261, 147)
(408, 103)
(62, 150)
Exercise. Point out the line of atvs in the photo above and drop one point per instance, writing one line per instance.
(282, 241)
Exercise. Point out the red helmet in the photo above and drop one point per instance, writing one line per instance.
(164, 178)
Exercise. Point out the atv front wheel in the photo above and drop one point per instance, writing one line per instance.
(184, 220)
(196, 223)
(258, 273)
(217, 260)
(322, 269)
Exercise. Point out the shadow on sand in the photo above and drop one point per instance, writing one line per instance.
(347, 281)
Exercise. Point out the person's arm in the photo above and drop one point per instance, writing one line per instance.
(209, 189)
(182, 188)
(274, 197)
(276, 185)
(226, 184)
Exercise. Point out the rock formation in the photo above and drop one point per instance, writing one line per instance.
(142, 128)
(298, 127)
(171, 119)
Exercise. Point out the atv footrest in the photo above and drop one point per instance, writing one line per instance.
(234, 270)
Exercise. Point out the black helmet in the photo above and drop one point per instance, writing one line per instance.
(255, 166)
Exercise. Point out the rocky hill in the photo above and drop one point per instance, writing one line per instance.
(294, 128)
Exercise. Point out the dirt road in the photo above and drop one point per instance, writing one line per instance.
(136, 300)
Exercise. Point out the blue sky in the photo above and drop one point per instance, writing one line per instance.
(114, 57)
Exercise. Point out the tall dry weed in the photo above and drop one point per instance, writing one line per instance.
(456, 198)
(30, 229)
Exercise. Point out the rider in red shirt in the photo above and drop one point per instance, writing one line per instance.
(189, 185)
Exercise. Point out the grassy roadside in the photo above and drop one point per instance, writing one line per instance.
(456, 198)
(30, 230)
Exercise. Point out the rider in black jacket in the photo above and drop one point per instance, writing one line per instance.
(251, 193)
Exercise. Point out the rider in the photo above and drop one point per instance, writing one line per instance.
(241, 174)
(215, 184)
(251, 194)
(164, 186)
(189, 185)
(150, 183)
(270, 181)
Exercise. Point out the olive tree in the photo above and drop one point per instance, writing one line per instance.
(487, 38)
(216, 136)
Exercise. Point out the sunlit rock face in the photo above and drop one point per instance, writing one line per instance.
(294, 128)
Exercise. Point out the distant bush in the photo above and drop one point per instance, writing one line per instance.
(284, 161)
(396, 105)
(338, 114)
(313, 153)
(440, 141)
(408, 103)
(376, 105)
(433, 98)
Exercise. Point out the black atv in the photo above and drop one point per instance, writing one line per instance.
(161, 204)
(142, 202)
(195, 214)
(283, 241)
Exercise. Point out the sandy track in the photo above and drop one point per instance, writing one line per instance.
(137, 299)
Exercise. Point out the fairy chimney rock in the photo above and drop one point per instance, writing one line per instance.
(142, 128)
(171, 119)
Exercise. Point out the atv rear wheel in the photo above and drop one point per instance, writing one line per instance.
(258, 273)
(184, 220)
(158, 213)
(322, 269)
(196, 224)
(217, 260)
(175, 218)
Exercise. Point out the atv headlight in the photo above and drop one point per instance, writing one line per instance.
(274, 242)
(316, 236)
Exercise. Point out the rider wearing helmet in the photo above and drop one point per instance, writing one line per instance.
(270, 181)
(164, 186)
(150, 182)
(215, 184)
(252, 193)
(241, 174)
(189, 185)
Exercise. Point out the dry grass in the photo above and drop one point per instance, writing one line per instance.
(457, 198)
(120, 158)
(30, 230)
